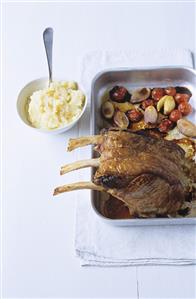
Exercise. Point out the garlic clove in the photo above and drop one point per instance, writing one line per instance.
(107, 109)
(121, 120)
(150, 115)
(169, 105)
(140, 94)
(161, 102)
(186, 127)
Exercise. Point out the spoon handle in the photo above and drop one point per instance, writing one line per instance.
(48, 43)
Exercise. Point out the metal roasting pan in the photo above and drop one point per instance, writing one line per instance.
(134, 78)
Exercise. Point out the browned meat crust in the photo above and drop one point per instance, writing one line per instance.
(149, 174)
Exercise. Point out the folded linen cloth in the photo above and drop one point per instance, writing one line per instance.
(100, 244)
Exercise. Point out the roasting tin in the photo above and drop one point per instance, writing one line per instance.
(135, 78)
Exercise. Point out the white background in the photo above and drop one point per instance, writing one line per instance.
(38, 231)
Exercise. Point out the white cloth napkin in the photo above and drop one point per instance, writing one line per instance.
(100, 244)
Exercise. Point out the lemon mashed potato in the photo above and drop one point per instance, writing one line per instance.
(55, 106)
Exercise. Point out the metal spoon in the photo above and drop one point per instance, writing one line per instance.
(48, 43)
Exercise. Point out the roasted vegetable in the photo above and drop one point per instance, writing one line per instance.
(175, 115)
(121, 120)
(185, 108)
(140, 95)
(124, 107)
(160, 103)
(141, 125)
(170, 91)
(165, 125)
(134, 115)
(119, 94)
(167, 103)
(181, 89)
(186, 127)
(161, 117)
(107, 109)
(157, 93)
(146, 103)
(188, 146)
(150, 115)
(181, 97)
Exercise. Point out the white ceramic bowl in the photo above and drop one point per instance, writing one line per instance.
(23, 97)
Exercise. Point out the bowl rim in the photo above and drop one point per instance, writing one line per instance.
(57, 130)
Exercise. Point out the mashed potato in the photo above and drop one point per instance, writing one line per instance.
(55, 106)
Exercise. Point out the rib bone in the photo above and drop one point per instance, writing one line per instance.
(82, 141)
(77, 186)
(79, 164)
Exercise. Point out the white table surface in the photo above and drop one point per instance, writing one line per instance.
(38, 232)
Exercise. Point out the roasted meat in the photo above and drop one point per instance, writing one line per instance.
(149, 174)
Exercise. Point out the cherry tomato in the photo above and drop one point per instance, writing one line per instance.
(170, 91)
(185, 108)
(165, 125)
(134, 115)
(175, 115)
(157, 93)
(147, 103)
(181, 97)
